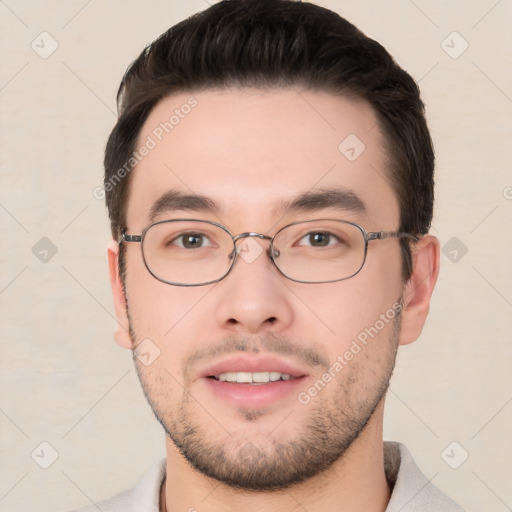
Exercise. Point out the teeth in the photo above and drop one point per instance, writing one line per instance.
(250, 378)
(260, 377)
(231, 377)
(244, 377)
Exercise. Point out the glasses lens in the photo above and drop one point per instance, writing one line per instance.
(319, 251)
(187, 252)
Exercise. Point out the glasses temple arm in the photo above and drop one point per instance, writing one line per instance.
(129, 238)
(380, 235)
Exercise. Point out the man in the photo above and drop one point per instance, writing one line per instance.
(270, 186)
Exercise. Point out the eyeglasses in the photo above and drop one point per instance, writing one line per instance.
(189, 252)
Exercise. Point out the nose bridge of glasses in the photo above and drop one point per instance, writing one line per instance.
(242, 236)
(274, 253)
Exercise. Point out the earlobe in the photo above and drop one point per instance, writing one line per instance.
(419, 288)
(122, 333)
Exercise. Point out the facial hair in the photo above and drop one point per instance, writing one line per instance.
(335, 419)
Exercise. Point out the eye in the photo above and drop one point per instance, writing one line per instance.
(319, 239)
(191, 241)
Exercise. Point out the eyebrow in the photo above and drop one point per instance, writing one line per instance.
(174, 200)
(339, 198)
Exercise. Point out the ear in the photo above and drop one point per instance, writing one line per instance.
(419, 288)
(122, 333)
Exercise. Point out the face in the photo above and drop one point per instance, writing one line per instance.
(260, 160)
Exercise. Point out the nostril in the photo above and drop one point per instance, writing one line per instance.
(271, 320)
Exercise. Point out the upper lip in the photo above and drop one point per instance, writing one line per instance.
(251, 364)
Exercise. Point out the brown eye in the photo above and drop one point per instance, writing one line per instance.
(191, 241)
(319, 239)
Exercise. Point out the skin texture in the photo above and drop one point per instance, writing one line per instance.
(251, 151)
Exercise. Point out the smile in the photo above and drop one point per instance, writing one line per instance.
(252, 378)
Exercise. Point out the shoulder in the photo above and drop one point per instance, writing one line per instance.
(144, 495)
(412, 490)
(119, 503)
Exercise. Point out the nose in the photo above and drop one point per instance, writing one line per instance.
(253, 297)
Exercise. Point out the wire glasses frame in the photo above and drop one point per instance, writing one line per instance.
(273, 252)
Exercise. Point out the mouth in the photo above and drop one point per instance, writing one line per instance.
(252, 383)
(255, 378)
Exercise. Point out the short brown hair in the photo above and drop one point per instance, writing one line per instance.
(279, 43)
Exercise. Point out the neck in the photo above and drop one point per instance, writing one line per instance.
(355, 483)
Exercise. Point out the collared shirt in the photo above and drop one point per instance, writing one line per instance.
(412, 491)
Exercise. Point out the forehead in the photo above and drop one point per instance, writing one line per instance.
(250, 151)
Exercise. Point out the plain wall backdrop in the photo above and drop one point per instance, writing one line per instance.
(64, 381)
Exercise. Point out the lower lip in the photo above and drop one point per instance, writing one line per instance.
(254, 396)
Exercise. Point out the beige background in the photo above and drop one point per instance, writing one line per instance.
(65, 382)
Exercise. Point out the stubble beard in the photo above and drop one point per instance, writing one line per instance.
(334, 421)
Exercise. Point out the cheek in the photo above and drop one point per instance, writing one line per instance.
(341, 312)
(155, 308)
(162, 384)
